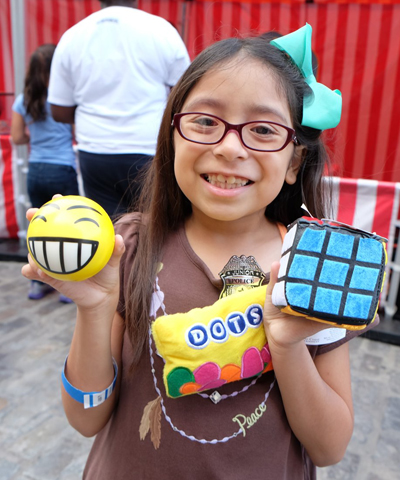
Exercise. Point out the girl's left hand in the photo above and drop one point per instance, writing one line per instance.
(281, 329)
(99, 292)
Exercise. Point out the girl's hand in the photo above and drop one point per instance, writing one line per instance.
(93, 293)
(281, 329)
(90, 293)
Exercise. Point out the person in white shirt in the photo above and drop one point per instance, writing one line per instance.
(111, 76)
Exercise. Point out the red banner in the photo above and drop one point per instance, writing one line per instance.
(356, 44)
(358, 52)
(347, 2)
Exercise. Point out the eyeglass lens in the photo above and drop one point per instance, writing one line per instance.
(208, 130)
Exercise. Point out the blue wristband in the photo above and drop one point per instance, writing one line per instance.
(89, 399)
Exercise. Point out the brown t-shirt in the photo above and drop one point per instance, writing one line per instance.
(268, 450)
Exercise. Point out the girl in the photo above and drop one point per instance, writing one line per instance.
(52, 166)
(215, 190)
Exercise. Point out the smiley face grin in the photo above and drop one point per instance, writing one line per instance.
(224, 182)
(62, 255)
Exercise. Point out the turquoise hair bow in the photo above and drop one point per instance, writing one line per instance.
(322, 109)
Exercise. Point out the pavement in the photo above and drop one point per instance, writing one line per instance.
(37, 443)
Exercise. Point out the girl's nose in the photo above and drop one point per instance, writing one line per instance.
(231, 147)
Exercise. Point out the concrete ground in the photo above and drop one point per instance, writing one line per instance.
(37, 443)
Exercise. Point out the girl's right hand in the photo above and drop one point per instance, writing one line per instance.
(91, 294)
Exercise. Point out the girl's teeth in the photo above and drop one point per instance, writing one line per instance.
(226, 182)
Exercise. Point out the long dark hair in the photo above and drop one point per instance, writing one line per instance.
(165, 207)
(37, 80)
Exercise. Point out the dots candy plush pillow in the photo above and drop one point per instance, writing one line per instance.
(208, 347)
(331, 272)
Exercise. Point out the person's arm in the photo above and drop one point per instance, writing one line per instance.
(61, 91)
(176, 56)
(316, 394)
(89, 368)
(19, 134)
(97, 338)
(63, 114)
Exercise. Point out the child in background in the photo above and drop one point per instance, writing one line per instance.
(52, 164)
(215, 190)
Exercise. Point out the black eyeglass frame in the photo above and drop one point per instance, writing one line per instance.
(176, 122)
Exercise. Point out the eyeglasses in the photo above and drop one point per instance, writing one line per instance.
(258, 135)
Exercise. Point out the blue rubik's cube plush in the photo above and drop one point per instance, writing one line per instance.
(331, 272)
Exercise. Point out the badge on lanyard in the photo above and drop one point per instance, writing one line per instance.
(240, 274)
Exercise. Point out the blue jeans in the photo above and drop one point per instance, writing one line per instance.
(46, 179)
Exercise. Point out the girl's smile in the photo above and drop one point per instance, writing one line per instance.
(227, 181)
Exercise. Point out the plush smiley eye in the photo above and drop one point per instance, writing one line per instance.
(40, 217)
(87, 220)
(46, 206)
(74, 207)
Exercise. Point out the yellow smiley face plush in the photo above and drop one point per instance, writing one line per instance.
(71, 238)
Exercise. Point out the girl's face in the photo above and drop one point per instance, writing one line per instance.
(239, 92)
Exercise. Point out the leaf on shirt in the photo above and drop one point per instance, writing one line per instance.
(151, 420)
(155, 423)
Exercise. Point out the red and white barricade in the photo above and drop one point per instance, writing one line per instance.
(9, 190)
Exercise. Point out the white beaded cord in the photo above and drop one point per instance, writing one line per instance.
(161, 296)
(233, 394)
